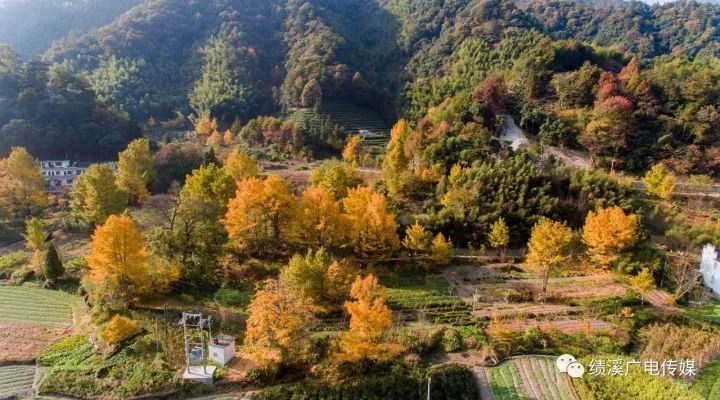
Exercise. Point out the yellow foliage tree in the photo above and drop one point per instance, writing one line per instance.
(607, 232)
(277, 325)
(339, 279)
(499, 236)
(118, 263)
(118, 330)
(499, 330)
(351, 152)
(215, 140)
(396, 162)
(228, 137)
(370, 318)
(205, 125)
(441, 250)
(35, 241)
(660, 182)
(22, 186)
(372, 227)
(644, 281)
(417, 239)
(318, 222)
(261, 214)
(547, 248)
(136, 170)
(241, 165)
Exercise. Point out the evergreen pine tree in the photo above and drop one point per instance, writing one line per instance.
(53, 267)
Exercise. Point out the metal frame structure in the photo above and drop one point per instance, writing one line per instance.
(195, 323)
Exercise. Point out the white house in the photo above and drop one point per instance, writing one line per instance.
(222, 349)
(61, 175)
(710, 268)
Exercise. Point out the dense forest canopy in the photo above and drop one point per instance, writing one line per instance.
(238, 59)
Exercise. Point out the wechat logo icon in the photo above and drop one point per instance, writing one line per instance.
(568, 364)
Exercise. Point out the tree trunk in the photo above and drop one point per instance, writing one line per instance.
(546, 276)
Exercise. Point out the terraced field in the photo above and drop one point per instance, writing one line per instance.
(526, 378)
(349, 116)
(36, 306)
(16, 380)
(426, 298)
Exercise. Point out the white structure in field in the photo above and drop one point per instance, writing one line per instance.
(222, 349)
(710, 268)
(62, 174)
(364, 133)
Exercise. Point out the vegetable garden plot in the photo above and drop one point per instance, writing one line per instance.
(36, 306)
(16, 380)
(528, 378)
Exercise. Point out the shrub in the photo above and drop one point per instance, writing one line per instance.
(73, 350)
(233, 297)
(401, 382)
(668, 341)
(12, 261)
(452, 341)
(708, 383)
(119, 329)
(635, 385)
(20, 275)
(455, 382)
(76, 265)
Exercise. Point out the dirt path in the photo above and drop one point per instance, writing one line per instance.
(575, 158)
(483, 383)
(661, 299)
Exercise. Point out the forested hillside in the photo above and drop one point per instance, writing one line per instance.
(32, 25)
(237, 59)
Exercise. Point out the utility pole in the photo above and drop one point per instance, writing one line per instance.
(429, 382)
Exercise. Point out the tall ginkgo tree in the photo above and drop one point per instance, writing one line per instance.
(136, 170)
(547, 248)
(370, 318)
(607, 232)
(118, 263)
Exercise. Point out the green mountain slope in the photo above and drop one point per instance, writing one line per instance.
(30, 26)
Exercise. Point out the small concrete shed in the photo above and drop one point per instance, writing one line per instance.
(222, 349)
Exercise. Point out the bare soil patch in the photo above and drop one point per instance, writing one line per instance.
(21, 342)
(564, 325)
(505, 310)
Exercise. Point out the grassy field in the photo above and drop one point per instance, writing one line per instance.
(16, 380)
(528, 378)
(708, 383)
(709, 311)
(36, 306)
(426, 298)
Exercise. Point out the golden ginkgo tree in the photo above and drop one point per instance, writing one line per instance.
(547, 248)
(607, 232)
(370, 318)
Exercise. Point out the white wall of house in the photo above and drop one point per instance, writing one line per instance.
(710, 268)
(61, 175)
